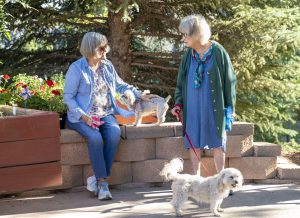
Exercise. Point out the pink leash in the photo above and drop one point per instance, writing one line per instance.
(188, 138)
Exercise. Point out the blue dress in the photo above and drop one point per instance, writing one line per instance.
(200, 121)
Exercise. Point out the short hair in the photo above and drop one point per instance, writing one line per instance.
(195, 26)
(91, 41)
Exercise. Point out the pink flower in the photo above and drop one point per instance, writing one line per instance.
(6, 76)
(42, 88)
(33, 92)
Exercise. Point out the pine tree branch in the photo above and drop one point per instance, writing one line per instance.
(156, 54)
(154, 66)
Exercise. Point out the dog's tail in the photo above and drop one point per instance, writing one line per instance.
(171, 169)
(167, 99)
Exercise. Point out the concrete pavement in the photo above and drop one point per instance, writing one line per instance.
(253, 200)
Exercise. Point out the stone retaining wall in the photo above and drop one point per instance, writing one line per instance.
(143, 151)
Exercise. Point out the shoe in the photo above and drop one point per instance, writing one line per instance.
(230, 193)
(103, 191)
(92, 185)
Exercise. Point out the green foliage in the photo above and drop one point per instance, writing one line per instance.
(263, 44)
(262, 38)
(291, 147)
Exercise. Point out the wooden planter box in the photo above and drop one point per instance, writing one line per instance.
(29, 150)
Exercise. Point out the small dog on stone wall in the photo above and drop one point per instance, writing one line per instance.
(211, 190)
(142, 108)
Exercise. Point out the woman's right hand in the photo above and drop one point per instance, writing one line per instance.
(87, 120)
(175, 111)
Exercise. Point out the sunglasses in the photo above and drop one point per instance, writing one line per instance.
(103, 48)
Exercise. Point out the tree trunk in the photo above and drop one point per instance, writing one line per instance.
(119, 41)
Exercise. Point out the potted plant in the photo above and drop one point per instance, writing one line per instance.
(38, 93)
(29, 140)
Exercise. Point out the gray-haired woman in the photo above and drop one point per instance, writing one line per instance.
(205, 91)
(90, 89)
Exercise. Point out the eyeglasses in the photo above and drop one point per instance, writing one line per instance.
(103, 48)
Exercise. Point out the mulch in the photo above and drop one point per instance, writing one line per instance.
(293, 157)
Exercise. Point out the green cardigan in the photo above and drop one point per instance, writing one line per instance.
(222, 82)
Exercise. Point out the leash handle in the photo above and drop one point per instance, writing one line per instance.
(177, 111)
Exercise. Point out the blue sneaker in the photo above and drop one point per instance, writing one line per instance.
(92, 185)
(103, 191)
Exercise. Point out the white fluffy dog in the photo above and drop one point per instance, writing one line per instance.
(211, 190)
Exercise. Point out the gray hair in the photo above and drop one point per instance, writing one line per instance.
(195, 26)
(91, 41)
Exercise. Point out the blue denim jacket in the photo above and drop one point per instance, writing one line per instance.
(79, 87)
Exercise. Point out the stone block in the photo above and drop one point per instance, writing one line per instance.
(238, 128)
(265, 149)
(178, 129)
(123, 131)
(149, 131)
(239, 146)
(121, 173)
(255, 167)
(242, 128)
(74, 154)
(72, 176)
(170, 147)
(148, 170)
(289, 171)
(70, 136)
(136, 150)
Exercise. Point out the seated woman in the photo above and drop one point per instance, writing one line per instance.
(89, 93)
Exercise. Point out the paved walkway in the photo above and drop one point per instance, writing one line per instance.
(271, 201)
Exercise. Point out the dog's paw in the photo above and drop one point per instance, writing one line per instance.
(179, 213)
(220, 209)
(217, 214)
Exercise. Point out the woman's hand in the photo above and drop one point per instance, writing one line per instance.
(175, 111)
(228, 118)
(87, 120)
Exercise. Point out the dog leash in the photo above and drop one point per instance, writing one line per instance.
(188, 138)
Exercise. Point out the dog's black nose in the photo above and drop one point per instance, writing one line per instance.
(236, 182)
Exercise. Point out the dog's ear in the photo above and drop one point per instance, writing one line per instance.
(220, 180)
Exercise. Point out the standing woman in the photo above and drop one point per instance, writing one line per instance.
(205, 91)
(89, 93)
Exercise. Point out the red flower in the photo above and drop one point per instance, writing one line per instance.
(3, 91)
(55, 92)
(50, 83)
(32, 92)
(19, 84)
(6, 76)
(24, 86)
